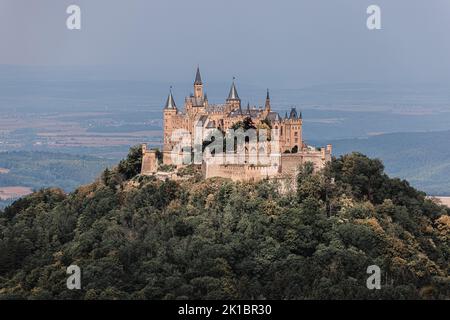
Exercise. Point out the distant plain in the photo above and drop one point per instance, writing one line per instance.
(408, 127)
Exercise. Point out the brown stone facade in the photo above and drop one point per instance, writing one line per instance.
(198, 117)
(149, 161)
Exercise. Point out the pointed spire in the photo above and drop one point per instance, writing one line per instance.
(285, 116)
(293, 114)
(277, 117)
(198, 78)
(170, 103)
(268, 100)
(300, 115)
(233, 95)
(247, 110)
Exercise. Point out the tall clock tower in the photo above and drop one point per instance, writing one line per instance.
(198, 85)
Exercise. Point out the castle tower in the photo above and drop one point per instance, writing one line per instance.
(293, 137)
(170, 114)
(170, 102)
(198, 85)
(233, 99)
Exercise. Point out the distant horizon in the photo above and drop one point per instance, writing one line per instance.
(281, 44)
(126, 74)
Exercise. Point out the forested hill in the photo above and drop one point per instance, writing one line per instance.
(140, 238)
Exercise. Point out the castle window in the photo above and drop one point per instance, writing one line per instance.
(296, 133)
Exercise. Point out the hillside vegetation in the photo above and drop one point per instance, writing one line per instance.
(137, 237)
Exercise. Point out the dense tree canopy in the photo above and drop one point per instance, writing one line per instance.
(137, 237)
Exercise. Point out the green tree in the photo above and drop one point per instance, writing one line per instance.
(131, 166)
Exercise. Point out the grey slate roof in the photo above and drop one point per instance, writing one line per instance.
(198, 78)
(215, 108)
(252, 113)
(233, 95)
(196, 102)
(274, 116)
(202, 120)
(293, 114)
(235, 113)
(170, 103)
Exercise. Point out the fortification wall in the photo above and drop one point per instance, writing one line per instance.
(291, 161)
(285, 165)
(239, 172)
(149, 161)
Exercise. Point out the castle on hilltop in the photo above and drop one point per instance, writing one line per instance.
(278, 155)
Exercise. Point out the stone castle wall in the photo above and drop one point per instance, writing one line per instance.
(239, 172)
(287, 165)
(291, 161)
(149, 161)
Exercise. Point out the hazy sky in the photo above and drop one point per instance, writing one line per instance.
(288, 43)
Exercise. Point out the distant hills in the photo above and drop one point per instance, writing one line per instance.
(36, 170)
(422, 158)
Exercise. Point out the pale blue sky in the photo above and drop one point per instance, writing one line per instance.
(284, 43)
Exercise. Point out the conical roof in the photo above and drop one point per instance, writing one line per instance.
(233, 95)
(293, 114)
(170, 103)
(198, 78)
